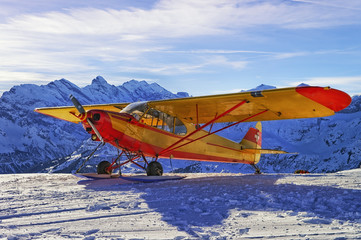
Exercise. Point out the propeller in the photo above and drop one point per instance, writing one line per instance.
(76, 103)
(83, 116)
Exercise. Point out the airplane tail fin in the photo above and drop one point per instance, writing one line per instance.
(252, 143)
(253, 140)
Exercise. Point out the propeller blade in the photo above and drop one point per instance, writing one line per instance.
(81, 110)
(76, 103)
(95, 130)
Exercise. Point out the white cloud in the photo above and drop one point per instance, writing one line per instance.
(350, 4)
(181, 18)
(229, 91)
(290, 55)
(22, 77)
(219, 60)
(194, 64)
(76, 41)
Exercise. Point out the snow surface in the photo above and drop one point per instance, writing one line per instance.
(201, 206)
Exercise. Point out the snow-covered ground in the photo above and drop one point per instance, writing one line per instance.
(201, 206)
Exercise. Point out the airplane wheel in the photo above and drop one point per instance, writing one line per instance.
(154, 169)
(102, 166)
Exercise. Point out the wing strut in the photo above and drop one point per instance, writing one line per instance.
(200, 128)
(211, 133)
(174, 145)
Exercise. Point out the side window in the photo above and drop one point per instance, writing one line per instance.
(155, 118)
(179, 127)
(164, 121)
(168, 123)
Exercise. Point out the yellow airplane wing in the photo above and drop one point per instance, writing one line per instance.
(276, 104)
(67, 113)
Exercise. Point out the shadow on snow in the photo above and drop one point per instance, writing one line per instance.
(207, 201)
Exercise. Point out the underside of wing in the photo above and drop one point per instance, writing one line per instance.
(275, 104)
(69, 113)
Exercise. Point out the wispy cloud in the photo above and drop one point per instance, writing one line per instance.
(74, 40)
(290, 55)
(229, 91)
(351, 5)
(169, 19)
(199, 64)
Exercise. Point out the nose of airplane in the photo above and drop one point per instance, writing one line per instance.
(99, 119)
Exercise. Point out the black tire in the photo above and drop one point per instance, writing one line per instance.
(154, 169)
(102, 166)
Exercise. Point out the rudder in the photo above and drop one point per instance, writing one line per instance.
(253, 140)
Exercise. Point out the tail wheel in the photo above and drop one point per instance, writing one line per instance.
(102, 168)
(154, 169)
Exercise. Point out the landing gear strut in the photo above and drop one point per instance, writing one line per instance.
(100, 144)
(256, 168)
(153, 168)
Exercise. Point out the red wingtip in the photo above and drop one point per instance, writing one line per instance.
(333, 99)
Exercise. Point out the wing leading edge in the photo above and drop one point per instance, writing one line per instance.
(277, 104)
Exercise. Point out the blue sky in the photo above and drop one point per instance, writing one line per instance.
(201, 47)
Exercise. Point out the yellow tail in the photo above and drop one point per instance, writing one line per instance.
(253, 140)
(252, 144)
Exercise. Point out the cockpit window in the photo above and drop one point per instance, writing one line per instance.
(155, 118)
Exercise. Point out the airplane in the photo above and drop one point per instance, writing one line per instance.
(182, 128)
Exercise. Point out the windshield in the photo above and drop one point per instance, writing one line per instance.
(135, 109)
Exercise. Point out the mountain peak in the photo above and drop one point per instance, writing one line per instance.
(303, 85)
(99, 80)
(182, 94)
(136, 82)
(60, 82)
(262, 87)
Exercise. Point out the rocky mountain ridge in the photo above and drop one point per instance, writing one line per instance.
(31, 142)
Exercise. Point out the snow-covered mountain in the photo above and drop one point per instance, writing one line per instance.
(31, 142)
